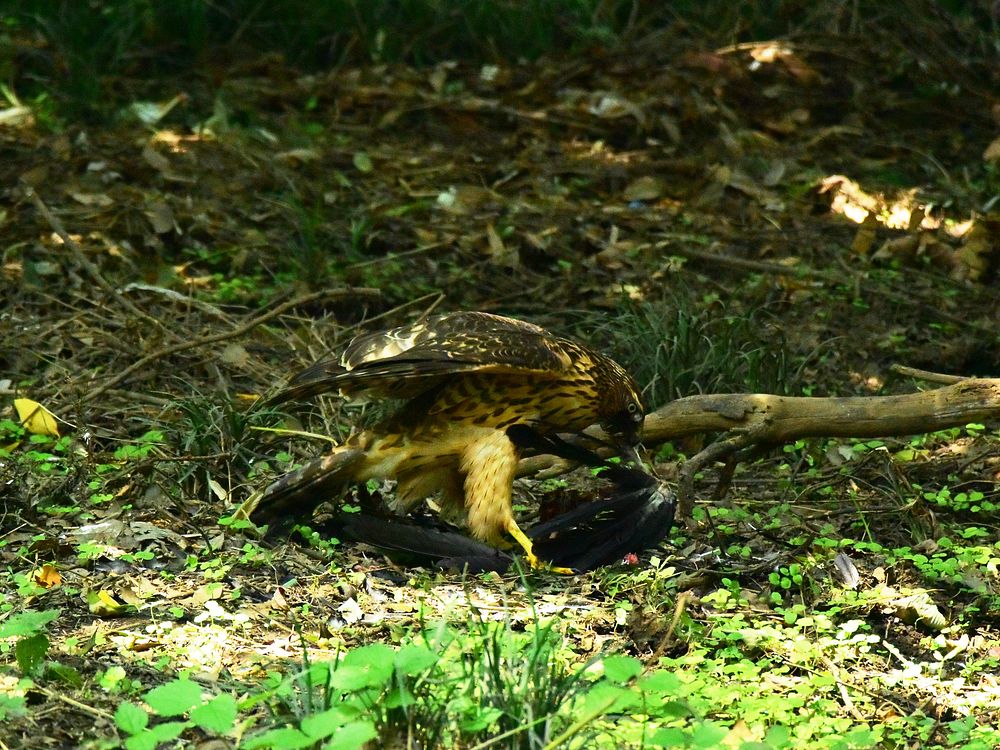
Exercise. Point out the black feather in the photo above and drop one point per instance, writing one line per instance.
(637, 516)
(443, 549)
(605, 531)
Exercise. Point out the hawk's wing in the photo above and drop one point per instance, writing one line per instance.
(441, 331)
(407, 361)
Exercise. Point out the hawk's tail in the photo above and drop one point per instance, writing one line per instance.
(298, 494)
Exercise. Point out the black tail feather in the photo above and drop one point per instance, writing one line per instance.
(636, 517)
(394, 533)
(443, 549)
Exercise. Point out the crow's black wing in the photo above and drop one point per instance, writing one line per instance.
(634, 519)
(637, 515)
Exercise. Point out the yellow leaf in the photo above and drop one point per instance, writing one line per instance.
(47, 576)
(865, 237)
(104, 604)
(35, 418)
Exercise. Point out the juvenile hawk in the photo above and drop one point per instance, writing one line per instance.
(467, 378)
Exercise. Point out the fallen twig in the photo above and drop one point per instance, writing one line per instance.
(927, 375)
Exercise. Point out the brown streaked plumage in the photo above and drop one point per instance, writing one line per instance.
(467, 378)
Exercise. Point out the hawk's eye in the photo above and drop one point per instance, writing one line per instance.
(633, 407)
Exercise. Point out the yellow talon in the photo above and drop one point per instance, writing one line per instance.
(514, 530)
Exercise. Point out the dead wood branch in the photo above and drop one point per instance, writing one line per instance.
(927, 375)
(780, 419)
(761, 420)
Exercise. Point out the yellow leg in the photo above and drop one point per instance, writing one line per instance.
(489, 464)
(514, 530)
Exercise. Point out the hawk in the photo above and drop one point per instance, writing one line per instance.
(471, 382)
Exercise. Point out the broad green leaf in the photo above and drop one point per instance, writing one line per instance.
(605, 698)
(131, 718)
(368, 666)
(483, 719)
(778, 736)
(174, 698)
(218, 715)
(372, 655)
(149, 739)
(352, 736)
(65, 674)
(27, 623)
(142, 741)
(286, 738)
(669, 737)
(399, 697)
(12, 706)
(324, 723)
(30, 654)
(413, 659)
(168, 730)
(619, 668)
(661, 682)
(708, 734)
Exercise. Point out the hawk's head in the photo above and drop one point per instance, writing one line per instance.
(621, 408)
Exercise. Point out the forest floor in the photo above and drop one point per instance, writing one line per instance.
(759, 219)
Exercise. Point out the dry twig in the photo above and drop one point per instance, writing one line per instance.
(234, 333)
(94, 272)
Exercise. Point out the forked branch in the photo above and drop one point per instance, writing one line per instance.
(760, 420)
